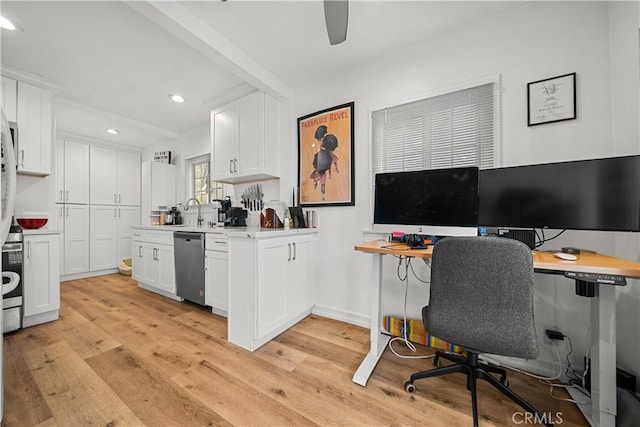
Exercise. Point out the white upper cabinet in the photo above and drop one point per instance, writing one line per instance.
(128, 179)
(114, 177)
(103, 176)
(34, 130)
(244, 139)
(9, 98)
(72, 172)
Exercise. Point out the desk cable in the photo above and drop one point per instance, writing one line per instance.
(405, 338)
(546, 380)
(542, 239)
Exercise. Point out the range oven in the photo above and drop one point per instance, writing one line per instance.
(12, 281)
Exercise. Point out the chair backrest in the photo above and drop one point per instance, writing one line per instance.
(482, 296)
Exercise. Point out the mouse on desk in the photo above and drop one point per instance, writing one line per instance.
(565, 256)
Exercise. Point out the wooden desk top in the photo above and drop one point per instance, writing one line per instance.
(587, 262)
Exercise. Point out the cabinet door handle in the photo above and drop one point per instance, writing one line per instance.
(29, 250)
(139, 251)
(60, 198)
(119, 213)
(22, 157)
(67, 195)
(67, 212)
(294, 251)
(119, 198)
(235, 165)
(289, 245)
(230, 166)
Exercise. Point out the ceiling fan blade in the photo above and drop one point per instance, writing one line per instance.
(336, 16)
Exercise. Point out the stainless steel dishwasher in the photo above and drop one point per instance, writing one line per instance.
(188, 250)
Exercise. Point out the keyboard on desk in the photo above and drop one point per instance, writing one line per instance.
(605, 279)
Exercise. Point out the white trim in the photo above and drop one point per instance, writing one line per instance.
(31, 79)
(69, 136)
(357, 319)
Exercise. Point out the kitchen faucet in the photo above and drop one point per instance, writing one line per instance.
(186, 208)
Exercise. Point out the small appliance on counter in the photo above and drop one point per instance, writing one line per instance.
(236, 217)
(221, 208)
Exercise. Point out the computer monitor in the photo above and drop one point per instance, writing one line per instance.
(598, 194)
(435, 202)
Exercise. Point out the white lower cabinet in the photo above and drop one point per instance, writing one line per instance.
(41, 279)
(76, 238)
(110, 237)
(153, 263)
(272, 284)
(216, 275)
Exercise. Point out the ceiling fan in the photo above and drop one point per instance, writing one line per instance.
(336, 16)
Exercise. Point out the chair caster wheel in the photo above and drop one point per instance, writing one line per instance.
(436, 362)
(409, 387)
(505, 382)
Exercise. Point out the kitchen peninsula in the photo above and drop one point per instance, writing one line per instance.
(263, 280)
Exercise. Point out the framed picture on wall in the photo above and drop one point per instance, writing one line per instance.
(551, 100)
(325, 157)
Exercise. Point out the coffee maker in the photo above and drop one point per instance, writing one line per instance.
(236, 217)
(220, 209)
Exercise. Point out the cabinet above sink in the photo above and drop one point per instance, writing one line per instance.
(245, 140)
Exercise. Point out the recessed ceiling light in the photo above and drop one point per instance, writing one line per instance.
(176, 98)
(112, 131)
(7, 24)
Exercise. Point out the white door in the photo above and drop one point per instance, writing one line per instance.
(8, 97)
(166, 268)
(163, 185)
(273, 258)
(41, 274)
(103, 171)
(300, 279)
(34, 129)
(76, 172)
(59, 196)
(60, 211)
(76, 239)
(128, 179)
(223, 135)
(103, 240)
(151, 267)
(250, 138)
(217, 281)
(137, 261)
(127, 216)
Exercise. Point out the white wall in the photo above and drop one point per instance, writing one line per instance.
(536, 41)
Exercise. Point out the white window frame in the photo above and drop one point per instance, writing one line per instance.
(191, 163)
(497, 119)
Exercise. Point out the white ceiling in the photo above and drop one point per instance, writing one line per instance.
(117, 62)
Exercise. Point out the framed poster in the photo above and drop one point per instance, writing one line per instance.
(551, 100)
(325, 157)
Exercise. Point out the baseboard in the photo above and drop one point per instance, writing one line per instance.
(85, 275)
(342, 315)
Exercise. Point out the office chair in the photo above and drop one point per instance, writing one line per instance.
(482, 300)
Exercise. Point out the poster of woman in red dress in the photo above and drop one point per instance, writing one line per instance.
(325, 157)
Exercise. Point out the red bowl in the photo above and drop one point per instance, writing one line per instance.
(32, 223)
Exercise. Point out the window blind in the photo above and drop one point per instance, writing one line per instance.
(451, 130)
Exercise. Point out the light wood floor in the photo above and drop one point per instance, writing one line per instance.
(122, 356)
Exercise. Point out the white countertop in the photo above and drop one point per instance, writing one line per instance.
(40, 231)
(242, 232)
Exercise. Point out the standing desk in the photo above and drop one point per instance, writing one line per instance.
(584, 270)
